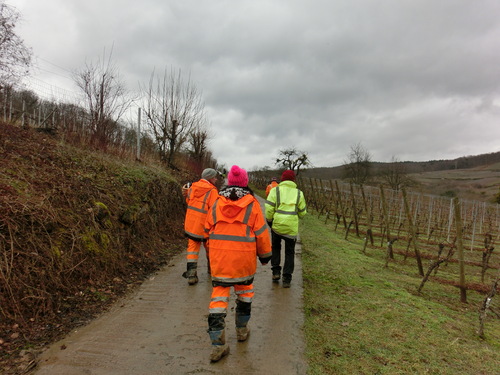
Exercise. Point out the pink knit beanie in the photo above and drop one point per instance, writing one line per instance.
(237, 177)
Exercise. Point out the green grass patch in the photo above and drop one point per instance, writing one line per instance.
(364, 318)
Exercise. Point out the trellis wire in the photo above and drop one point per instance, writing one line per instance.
(432, 214)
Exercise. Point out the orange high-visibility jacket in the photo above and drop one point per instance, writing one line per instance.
(273, 184)
(237, 234)
(200, 197)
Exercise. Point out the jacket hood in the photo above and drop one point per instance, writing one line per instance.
(201, 187)
(230, 208)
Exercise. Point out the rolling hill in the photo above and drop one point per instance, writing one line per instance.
(470, 177)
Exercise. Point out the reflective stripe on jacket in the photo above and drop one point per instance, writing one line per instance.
(200, 198)
(284, 206)
(237, 234)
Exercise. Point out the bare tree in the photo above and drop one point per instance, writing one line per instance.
(395, 174)
(105, 97)
(198, 144)
(293, 159)
(173, 109)
(15, 57)
(357, 167)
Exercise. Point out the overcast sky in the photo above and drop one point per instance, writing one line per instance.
(414, 79)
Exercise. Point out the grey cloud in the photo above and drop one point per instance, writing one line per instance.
(415, 79)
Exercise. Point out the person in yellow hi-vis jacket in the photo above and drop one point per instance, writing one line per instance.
(200, 196)
(237, 235)
(285, 204)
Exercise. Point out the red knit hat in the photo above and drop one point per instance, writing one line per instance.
(237, 177)
(288, 175)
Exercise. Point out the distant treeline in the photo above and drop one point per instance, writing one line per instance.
(412, 166)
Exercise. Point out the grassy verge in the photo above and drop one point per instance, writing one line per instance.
(363, 318)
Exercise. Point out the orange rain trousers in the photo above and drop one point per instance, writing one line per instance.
(220, 297)
(193, 250)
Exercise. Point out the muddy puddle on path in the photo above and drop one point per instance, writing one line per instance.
(162, 329)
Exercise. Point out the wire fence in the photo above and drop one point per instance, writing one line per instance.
(51, 109)
(420, 225)
(51, 93)
(37, 104)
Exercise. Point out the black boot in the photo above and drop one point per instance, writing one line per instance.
(287, 279)
(276, 273)
(191, 273)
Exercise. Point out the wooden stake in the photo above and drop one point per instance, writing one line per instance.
(460, 247)
(386, 221)
(413, 234)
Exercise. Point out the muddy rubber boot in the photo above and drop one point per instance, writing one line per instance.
(192, 277)
(242, 330)
(191, 274)
(242, 333)
(241, 319)
(219, 346)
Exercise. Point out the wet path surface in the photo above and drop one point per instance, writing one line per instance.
(162, 329)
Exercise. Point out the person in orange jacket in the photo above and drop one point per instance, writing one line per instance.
(200, 196)
(237, 234)
(272, 184)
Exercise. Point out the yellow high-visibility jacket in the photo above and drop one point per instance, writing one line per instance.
(285, 204)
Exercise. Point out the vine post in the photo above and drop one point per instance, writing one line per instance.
(460, 247)
(354, 211)
(413, 234)
(340, 203)
(390, 253)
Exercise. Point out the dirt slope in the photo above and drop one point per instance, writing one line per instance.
(161, 329)
(78, 229)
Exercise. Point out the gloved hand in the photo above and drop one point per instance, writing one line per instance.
(270, 223)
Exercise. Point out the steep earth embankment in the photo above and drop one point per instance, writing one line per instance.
(77, 229)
